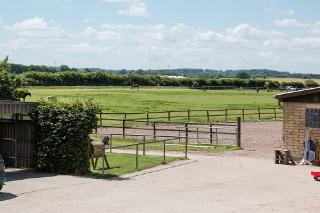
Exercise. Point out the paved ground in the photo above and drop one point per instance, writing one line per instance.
(242, 181)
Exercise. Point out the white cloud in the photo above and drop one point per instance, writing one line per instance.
(138, 9)
(86, 48)
(289, 23)
(37, 27)
(289, 12)
(20, 44)
(36, 23)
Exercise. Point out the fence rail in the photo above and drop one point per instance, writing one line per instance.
(197, 133)
(176, 116)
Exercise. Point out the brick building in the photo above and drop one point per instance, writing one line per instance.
(295, 106)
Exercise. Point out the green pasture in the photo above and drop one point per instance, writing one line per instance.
(123, 99)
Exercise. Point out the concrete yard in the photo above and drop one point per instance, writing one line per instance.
(241, 181)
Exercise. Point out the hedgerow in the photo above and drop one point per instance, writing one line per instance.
(62, 135)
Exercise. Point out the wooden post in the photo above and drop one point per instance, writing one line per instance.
(275, 113)
(154, 131)
(239, 132)
(123, 128)
(197, 134)
(169, 116)
(164, 151)
(125, 115)
(111, 143)
(211, 136)
(226, 115)
(144, 145)
(186, 138)
(147, 117)
(100, 119)
(259, 113)
(242, 114)
(188, 114)
(208, 116)
(137, 158)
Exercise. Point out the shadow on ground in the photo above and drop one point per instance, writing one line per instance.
(22, 174)
(6, 196)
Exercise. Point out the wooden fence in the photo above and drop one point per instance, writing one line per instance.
(209, 115)
(195, 133)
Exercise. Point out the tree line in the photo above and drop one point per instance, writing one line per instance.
(69, 78)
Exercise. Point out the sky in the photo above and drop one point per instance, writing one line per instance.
(158, 34)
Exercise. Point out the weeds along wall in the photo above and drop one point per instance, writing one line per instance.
(62, 135)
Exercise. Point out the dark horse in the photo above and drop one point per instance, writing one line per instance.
(135, 86)
(23, 94)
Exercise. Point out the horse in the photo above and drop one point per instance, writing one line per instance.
(22, 95)
(135, 86)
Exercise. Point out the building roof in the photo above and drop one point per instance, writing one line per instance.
(16, 107)
(298, 94)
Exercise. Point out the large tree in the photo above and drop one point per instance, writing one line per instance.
(9, 83)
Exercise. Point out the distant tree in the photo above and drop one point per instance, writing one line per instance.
(310, 83)
(87, 70)
(9, 83)
(64, 68)
(243, 75)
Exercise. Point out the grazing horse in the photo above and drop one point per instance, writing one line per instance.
(135, 86)
(23, 94)
(204, 88)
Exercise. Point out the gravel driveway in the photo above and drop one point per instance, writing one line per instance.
(241, 181)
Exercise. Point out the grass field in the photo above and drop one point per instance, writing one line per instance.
(116, 99)
(126, 163)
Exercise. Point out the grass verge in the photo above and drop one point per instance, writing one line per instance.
(126, 163)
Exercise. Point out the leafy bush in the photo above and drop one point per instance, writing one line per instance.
(9, 83)
(310, 83)
(62, 135)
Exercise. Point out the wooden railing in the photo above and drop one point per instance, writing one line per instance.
(209, 115)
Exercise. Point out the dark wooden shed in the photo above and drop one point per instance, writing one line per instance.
(301, 117)
(16, 133)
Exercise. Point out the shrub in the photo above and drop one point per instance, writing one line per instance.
(310, 83)
(62, 135)
(9, 83)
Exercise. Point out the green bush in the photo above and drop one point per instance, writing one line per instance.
(62, 135)
(310, 83)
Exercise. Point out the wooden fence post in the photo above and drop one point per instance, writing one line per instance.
(275, 113)
(169, 116)
(123, 128)
(226, 115)
(208, 116)
(144, 145)
(100, 119)
(147, 117)
(187, 139)
(188, 114)
(239, 132)
(211, 136)
(125, 115)
(154, 131)
(259, 113)
(242, 114)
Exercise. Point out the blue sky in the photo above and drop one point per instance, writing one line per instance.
(151, 34)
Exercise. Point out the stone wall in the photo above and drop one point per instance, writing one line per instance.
(294, 127)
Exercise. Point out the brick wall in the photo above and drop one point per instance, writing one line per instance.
(294, 127)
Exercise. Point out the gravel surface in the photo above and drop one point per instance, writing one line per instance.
(241, 181)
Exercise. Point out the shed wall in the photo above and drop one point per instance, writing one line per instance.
(294, 127)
